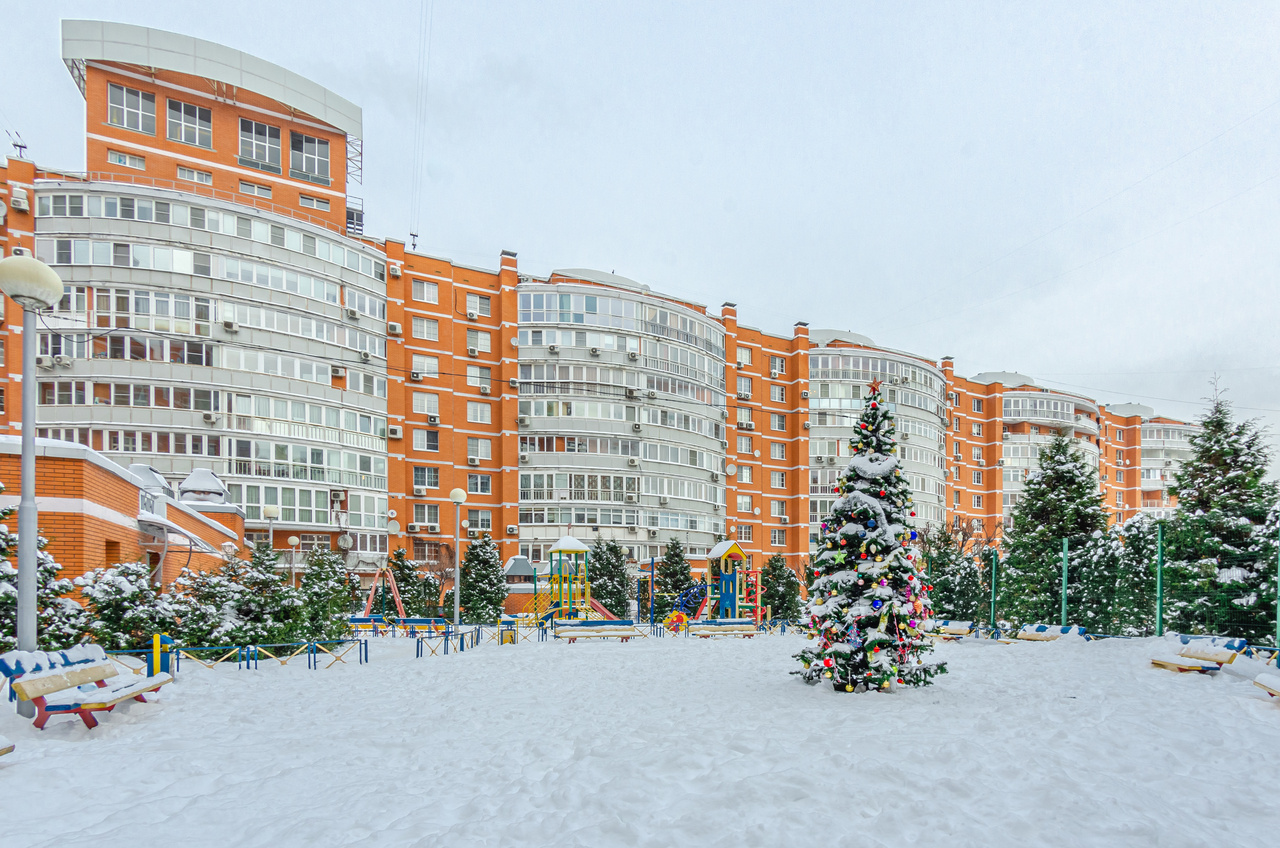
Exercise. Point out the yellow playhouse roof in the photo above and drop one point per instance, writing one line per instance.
(727, 548)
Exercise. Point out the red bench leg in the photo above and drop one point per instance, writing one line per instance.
(42, 714)
(87, 717)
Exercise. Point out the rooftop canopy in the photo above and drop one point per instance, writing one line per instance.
(568, 545)
(727, 548)
(105, 41)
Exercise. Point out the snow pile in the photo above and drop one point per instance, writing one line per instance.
(660, 742)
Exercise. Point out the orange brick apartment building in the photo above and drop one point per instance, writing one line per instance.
(225, 311)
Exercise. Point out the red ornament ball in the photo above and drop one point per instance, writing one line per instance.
(900, 681)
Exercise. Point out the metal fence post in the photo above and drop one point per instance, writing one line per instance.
(1065, 548)
(995, 559)
(1278, 600)
(1160, 579)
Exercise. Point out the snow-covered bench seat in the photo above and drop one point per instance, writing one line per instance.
(948, 630)
(1269, 683)
(572, 629)
(705, 629)
(6, 747)
(1048, 632)
(51, 681)
(1203, 655)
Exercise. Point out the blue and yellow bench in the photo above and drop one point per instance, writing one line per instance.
(1048, 632)
(52, 681)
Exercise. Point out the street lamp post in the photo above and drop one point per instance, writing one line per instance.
(271, 512)
(459, 497)
(33, 285)
(293, 541)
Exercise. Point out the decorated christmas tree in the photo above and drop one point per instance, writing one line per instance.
(869, 599)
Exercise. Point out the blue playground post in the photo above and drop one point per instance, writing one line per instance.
(651, 584)
(161, 646)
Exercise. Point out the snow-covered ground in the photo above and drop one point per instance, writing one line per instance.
(660, 742)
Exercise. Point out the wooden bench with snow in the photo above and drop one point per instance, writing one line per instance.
(706, 628)
(949, 631)
(1269, 683)
(1202, 654)
(1048, 632)
(573, 629)
(52, 681)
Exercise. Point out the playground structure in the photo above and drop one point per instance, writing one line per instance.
(568, 588)
(734, 594)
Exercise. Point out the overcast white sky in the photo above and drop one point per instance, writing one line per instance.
(1083, 193)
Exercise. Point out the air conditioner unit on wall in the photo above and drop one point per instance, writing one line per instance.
(484, 390)
(231, 326)
(395, 431)
(632, 355)
(782, 519)
(471, 316)
(773, 375)
(419, 491)
(433, 528)
(351, 313)
(633, 461)
(473, 352)
(394, 270)
(18, 200)
(394, 328)
(414, 528)
(512, 529)
(337, 371)
(433, 419)
(473, 460)
(415, 376)
(805, 394)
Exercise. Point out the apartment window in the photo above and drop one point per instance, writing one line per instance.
(1035, 431)
(317, 203)
(480, 340)
(131, 109)
(190, 124)
(778, 364)
(957, 424)
(478, 375)
(977, 428)
(977, 404)
(128, 160)
(479, 484)
(426, 440)
(778, 538)
(744, 386)
(777, 479)
(778, 394)
(956, 499)
(977, 478)
(777, 421)
(777, 450)
(255, 189)
(1119, 475)
(977, 454)
(977, 501)
(743, 415)
(746, 533)
(479, 519)
(479, 413)
(745, 474)
(426, 513)
(480, 448)
(259, 146)
(309, 158)
(478, 303)
(744, 504)
(778, 509)
(426, 475)
(1119, 435)
(426, 292)
(427, 366)
(425, 403)
(426, 328)
(1119, 499)
(744, 445)
(743, 355)
(203, 177)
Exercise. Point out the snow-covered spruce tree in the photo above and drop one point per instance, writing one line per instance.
(419, 591)
(869, 600)
(1133, 608)
(610, 583)
(328, 593)
(124, 609)
(244, 602)
(1222, 546)
(956, 566)
(60, 621)
(672, 578)
(1060, 501)
(781, 589)
(484, 582)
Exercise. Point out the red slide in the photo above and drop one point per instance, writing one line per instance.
(600, 608)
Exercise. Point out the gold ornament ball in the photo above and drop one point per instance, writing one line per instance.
(848, 687)
(826, 674)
